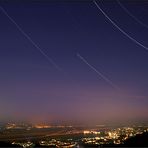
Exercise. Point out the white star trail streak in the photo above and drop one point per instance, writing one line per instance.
(121, 30)
(99, 73)
(131, 15)
(31, 41)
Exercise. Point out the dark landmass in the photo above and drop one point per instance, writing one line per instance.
(138, 140)
(7, 144)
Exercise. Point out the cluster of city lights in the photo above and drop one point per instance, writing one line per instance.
(95, 136)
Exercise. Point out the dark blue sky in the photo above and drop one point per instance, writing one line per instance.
(31, 88)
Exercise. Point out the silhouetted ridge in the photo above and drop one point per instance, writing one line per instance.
(8, 144)
(138, 140)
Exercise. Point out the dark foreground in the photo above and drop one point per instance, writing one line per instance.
(137, 141)
(74, 137)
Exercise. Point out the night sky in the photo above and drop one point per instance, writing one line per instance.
(111, 87)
